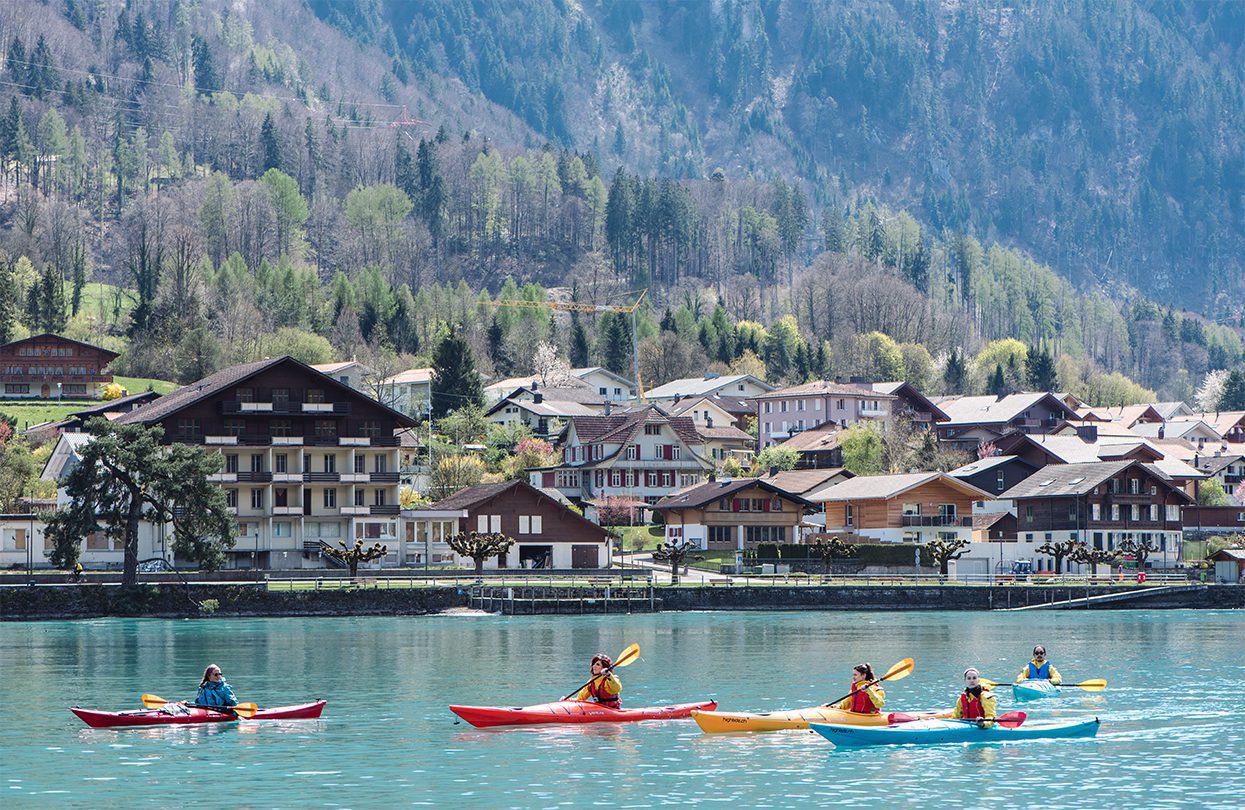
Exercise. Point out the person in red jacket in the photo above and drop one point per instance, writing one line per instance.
(604, 688)
(976, 702)
(867, 697)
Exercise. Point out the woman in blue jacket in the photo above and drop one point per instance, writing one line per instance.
(213, 691)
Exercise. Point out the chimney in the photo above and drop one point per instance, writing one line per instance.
(708, 421)
(1087, 433)
(773, 471)
(535, 385)
(609, 407)
(713, 477)
(677, 397)
(1162, 430)
(538, 397)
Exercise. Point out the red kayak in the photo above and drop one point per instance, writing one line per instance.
(573, 711)
(155, 717)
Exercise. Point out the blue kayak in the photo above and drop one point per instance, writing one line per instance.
(1034, 690)
(932, 732)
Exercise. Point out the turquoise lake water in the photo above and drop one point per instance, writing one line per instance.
(1171, 734)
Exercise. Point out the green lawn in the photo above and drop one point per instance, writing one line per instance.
(94, 292)
(638, 538)
(711, 559)
(137, 385)
(37, 411)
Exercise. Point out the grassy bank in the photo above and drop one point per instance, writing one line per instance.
(29, 412)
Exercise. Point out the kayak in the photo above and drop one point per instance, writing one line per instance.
(155, 717)
(572, 711)
(717, 722)
(1034, 690)
(930, 732)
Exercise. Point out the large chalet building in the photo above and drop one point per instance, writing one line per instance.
(307, 459)
(49, 366)
(640, 457)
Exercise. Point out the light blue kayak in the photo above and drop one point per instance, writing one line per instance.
(933, 732)
(1034, 690)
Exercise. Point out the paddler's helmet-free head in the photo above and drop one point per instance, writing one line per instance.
(604, 660)
(1039, 652)
(972, 677)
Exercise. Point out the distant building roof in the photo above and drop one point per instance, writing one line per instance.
(801, 482)
(1055, 480)
(822, 438)
(736, 406)
(696, 386)
(724, 433)
(706, 493)
(411, 375)
(981, 465)
(869, 487)
(819, 387)
(992, 409)
(43, 335)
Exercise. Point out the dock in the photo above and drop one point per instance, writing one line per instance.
(534, 600)
(1086, 602)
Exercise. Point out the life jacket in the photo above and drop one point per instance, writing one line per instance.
(861, 702)
(1039, 673)
(970, 707)
(596, 691)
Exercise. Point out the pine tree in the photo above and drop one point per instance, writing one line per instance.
(954, 374)
(405, 175)
(206, 81)
(620, 140)
(822, 366)
(997, 382)
(455, 382)
(42, 77)
(617, 339)
(270, 144)
(1233, 398)
(497, 347)
(8, 304)
(1041, 373)
(579, 343)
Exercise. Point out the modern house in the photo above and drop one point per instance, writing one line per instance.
(544, 411)
(408, 392)
(807, 483)
(733, 514)
(638, 457)
(605, 385)
(974, 421)
(1101, 503)
(995, 474)
(741, 386)
(786, 412)
(48, 366)
(713, 410)
(728, 441)
(357, 375)
(548, 535)
(307, 459)
(909, 508)
(818, 447)
(608, 385)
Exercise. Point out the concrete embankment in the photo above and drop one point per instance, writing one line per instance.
(222, 600)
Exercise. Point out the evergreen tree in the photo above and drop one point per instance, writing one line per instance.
(497, 347)
(8, 304)
(1041, 373)
(41, 76)
(1233, 398)
(204, 66)
(616, 350)
(52, 300)
(997, 382)
(579, 343)
(954, 375)
(822, 367)
(16, 61)
(620, 140)
(405, 175)
(455, 381)
(270, 144)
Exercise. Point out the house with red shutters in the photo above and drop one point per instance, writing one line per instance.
(634, 458)
(49, 366)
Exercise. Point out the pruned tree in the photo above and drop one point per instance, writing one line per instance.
(944, 551)
(829, 550)
(479, 546)
(1086, 554)
(675, 552)
(353, 555)
(1059, 550)
(126, 476)
(1139, 550)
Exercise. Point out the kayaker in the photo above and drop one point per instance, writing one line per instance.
(213, 690)
(1039, 669)
(867, 697)
(604, 688)
(976, 702)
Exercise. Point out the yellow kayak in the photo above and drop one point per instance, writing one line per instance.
(717, 722)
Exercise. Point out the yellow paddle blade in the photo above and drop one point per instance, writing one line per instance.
(900, 671)
(1093, 685)
(628, 656)
(153, 701)
(245, 709)
(989, 684)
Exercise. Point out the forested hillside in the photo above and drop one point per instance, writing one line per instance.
(259, 180)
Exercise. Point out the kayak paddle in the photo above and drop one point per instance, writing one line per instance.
(896, 673)
(1009, 720)
(625, 658)
(1092, 685)
(242, 709)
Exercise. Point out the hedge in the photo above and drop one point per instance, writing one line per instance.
(865, 553)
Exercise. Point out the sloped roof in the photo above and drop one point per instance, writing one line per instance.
(1222, 421)
(1213, 464)
(818, 387)
(986, 520)
(471, 497)
(1055, 480)
(584, 372)
(802, 481)
(617, 428)
(873, 487)
(121, 404)
(43, 335)
(991, 409)
(695, 386)
(821, 438)
(902, 388)
(556, 409)
(410, 376)
(725, 433)
(214, 384)
(983, 464)
(706, 493)
(1174, 428)
(733, 405)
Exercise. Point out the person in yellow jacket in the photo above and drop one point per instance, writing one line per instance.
(604, 688)
(867, 697)
(976, 702)
(1039, 669)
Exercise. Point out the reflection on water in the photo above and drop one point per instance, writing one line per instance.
(1170, 731)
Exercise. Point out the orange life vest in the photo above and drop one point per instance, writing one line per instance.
(862, 703)
(970, 707)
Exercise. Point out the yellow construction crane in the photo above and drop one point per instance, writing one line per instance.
(580, 306)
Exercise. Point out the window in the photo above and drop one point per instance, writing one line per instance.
(488, 523)
(1173, 512)
(330, 463)
(257, 462)
(674, 452)
(16, 388)
(315, 395)
(231, 463)
(848, 516)
(235, 427)
(1028, 513)
(800, 405)
(530, 524)
(358, 497)
(616, 478)
(245, 394)
(769, 407)
(370, 428)
(566, 479)
(783, 406)
(280, 463)
(307, 463)
(650, 479)
(1134, 486)
(817, 404)
(257, 499)
(326, 427)
(722, 535)
(380, 463)
(1154, 490)
(1115, 512)
(231, 498)
(1095, 511)
(602, 390)
(842, 405)
(630, 478)
(665, 479)
(281, 528)
(360, 464)
(280, 427)
(1000, 481)
(775, 504)
(1072, 510)
(281, 496)
(633, 451)
(1098, 540)
(1154, 512)
(652, 430)
(330, 498)
(280, 398)
(1134, 512)
(189, 428)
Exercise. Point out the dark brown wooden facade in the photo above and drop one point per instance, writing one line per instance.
(49, 366)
